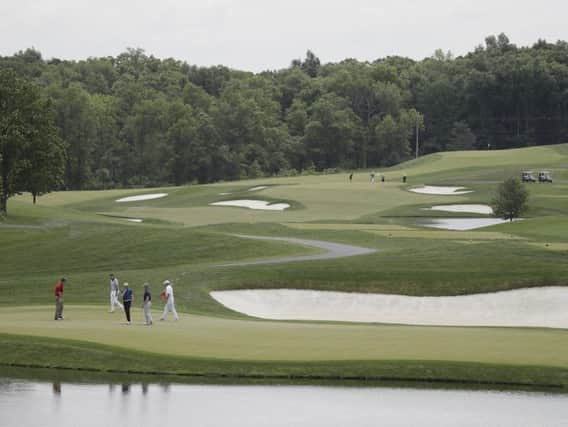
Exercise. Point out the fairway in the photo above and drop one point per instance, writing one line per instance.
(371, 239)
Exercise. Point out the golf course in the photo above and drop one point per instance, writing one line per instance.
(321, 233)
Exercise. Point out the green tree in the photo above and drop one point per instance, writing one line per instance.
(510, 199)
(76, 122)
(44, 164)
(461, 137)
(28, 139)
(310, 65)
(330, 132)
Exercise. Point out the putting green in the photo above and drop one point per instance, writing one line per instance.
(218, 338)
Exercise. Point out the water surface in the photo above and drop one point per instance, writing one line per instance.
(28, 403)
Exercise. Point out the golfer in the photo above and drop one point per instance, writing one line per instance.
(147, 305)
(114, 292)
(169, 298)
(58, 291)
(127, 300)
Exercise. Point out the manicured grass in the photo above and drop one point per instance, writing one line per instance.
(85, 360)
(186, 240)
(248, 340)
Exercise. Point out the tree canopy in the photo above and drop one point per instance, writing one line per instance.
(135, 119)
(31, 153)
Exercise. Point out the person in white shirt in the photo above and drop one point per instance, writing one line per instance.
(169, 299)
(114, 292)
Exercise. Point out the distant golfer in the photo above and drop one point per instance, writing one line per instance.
(58, 291)
(351, 177)
(114, 292)
(169, 299)
(127, 300)
(372, 177)
(147, 305)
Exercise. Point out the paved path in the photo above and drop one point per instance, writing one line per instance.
(333, 250)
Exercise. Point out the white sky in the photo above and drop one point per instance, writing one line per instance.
(265, 34)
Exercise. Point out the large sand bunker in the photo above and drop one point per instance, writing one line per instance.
(254, 204)
(532, 307)
(461, 224)
(478, 209)
(440, 191)
(142, 197)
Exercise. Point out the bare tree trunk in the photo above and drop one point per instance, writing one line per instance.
(3, 203)
(3, 196)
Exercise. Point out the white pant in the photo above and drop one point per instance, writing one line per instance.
(114, 301)
(147, 312)
(169, 307)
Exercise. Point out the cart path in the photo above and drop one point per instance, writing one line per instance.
(333, 250)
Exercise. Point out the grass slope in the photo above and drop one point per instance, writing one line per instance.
(185, 240)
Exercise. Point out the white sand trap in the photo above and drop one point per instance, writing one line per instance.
(133, 219)
(440, 191)
(224, 194)
(478, 209)
(532, 307)
(462, 224)
(254, 204)
(261, 187)
(142, 197)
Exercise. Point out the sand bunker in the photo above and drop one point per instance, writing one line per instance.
(478, 209)
(261, 187)
(441, 191)
(142, 197)
(133, 219)
(461, 224)
(254, 204)
(533, 307)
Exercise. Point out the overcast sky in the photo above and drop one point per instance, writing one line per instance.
(265, 34)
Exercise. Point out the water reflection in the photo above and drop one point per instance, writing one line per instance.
(56, 387)
(63, 404)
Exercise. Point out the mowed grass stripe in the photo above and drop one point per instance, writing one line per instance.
(216, 338)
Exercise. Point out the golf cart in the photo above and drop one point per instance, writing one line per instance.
(544, 176)
(527, 176)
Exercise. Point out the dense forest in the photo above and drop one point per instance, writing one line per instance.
(136, 120)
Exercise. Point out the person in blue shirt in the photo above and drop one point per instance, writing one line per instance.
(127, 301)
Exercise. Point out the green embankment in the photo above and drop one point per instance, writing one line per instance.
(185, 240)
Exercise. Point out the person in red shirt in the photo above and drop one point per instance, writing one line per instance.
(59, 298)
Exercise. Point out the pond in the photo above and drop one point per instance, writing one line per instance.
(26, 403)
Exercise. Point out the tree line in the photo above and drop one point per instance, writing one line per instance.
(136, 120)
